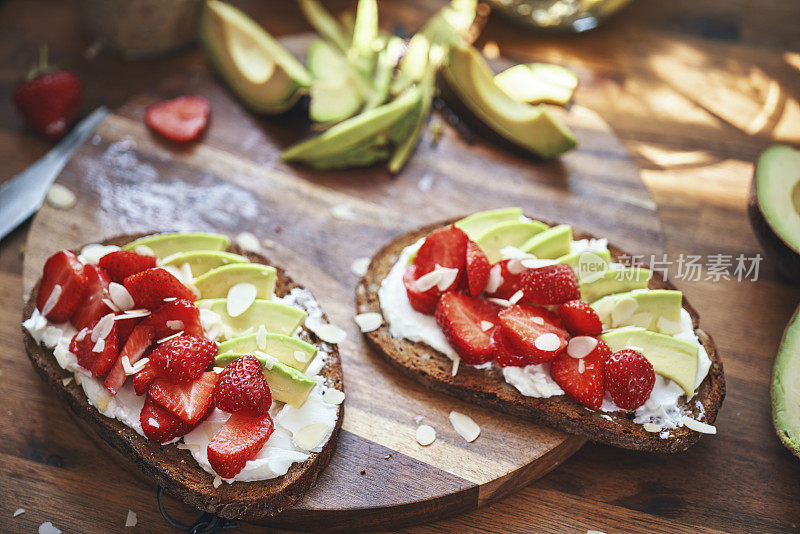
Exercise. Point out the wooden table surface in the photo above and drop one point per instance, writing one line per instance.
(695, 89)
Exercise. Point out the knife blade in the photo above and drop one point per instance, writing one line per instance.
(22, 196)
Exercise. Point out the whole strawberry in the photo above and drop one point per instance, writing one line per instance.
(183, 358)
(629, 378)
(242, 389)
(580, 318)
(48, 98)
(553, 284)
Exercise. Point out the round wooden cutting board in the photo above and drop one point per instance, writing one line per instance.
(315, 225)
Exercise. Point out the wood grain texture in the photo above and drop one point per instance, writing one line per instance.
(678, 124)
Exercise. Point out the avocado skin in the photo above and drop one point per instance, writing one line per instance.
(790, 437)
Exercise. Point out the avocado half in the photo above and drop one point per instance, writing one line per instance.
(256, 67)
(774, 207)
(786, 387)
(468, 85)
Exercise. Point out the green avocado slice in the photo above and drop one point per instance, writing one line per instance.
(612, 281)
(280, 346)
(478, 223)
(365, 32)
(202, 261)
(326, 24)
(529, 127)
(286, 384)
(507, 234)
(786, 387)
(551, 243)
(658, 310)
(217, 282)
(277, 318)
(537, 83)
(257, 67)
(422, 113)
(167, 244)
(588, 263)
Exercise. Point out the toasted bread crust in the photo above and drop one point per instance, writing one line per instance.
(489, 388)
(174, 469)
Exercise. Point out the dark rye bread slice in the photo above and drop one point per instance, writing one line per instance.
(487, 387)
(175, 469)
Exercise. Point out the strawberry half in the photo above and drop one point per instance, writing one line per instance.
(162, 426)
(462, 319)
(181, 119)
(629, 378)
(99, 361)
(135, 347)
(188, 401)
(446, 247)
(242, 389)
(239, 440)
(143, 379)
(580, 318)
(150, 287)
(478, 267)
(553, 284)
(504, 353)
(510, 282)
(92, 306)
(422, 301)
(122, 263)
(62, 287)
(580, 378)
(184, 358)
(533, 331)
(175, 316)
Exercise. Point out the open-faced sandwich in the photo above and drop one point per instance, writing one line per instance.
(197, 361)
(511, 313)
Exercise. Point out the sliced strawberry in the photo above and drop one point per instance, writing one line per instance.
(134, 348)
(62, 287)
(535, 332)
(446, 247)
(629, 378)
(240, 439)
(97, 356)
(92, 306)
(175, 316)
(478, 267)
(467, 323)
(504, 353)
(143, 379)
(580, 318)
(510, 282)
(580, 378)
(553, 284)
(150, 287)
(125, 327)
(184, 358)
(422, 301)
(162, 426)
(187, 401)
(122, 263)
(181, 119)
(242, 389)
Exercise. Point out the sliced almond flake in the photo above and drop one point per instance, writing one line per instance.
(269, 243)
(495, 279)
(176, 272)
(465, 426)
(138, 366)
(248, 241)
(581, 366)
(218, 370)
(369, 321)
(144, 250)
(536, 263)
(153, 422)
(425, 435)
(240, 297)
(500, 302)
(343, 212)
(267, 359)
(261, 337)
(622, 310)
(651, 427)
(513, 253)
(169, 299)
(360, 266)
(99, 345)
(333, 396)
(120, 296)
(176, 324)
(514, 266)
(48, 528)
(110, 304)
(516, 297)
(60, 197)
(103, 327)
(581, 346)
(131, 519)
(186, 271)
(126, 365)
(456, 363)
(547, 342)
(327, 332)
(300, 356)
(66, 381)
(538, 320)
(52, 300)
(19, 511)
(427, 281)
(217, 481)
(486, 326)
(448, 277)
(173, 336)
(665, 326)
(311, 436)
(132, 314)
(698, 426)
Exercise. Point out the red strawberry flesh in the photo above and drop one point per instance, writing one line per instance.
(553, 284)
(580, 318)
(580, 378)
(49, 101)
(478, 268)
(188, 401)
(181, 119)
(239, 440)
(135, 347)
(242, 389)
(534, 331)
(62, 287)
(629, 378)
(179, 315)
(463, 320)
(150, 287)
(93, 305)
(121, 264)
(184, 358)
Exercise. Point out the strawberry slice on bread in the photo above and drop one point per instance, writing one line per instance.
(150, 287)
(188, 401)
(237, 442)
(62, 287)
